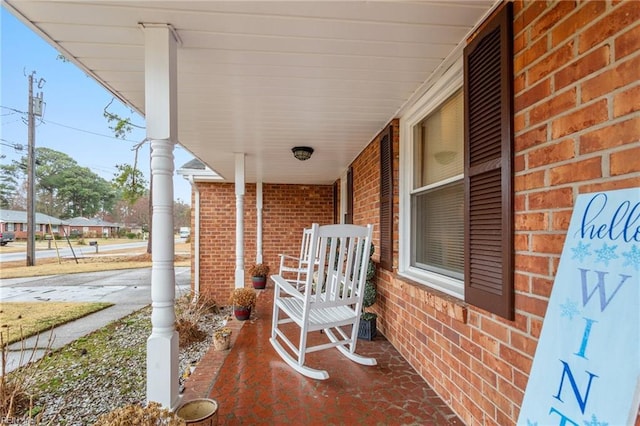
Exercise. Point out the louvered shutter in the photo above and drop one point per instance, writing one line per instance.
(386, 199)
(348, 217)
(336, 200)
(488, 78)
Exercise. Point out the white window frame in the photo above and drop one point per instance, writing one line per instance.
(450, 82)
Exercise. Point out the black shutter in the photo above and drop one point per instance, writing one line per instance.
(348, 216)
(488, 79)
(386, 199)
(336, 209)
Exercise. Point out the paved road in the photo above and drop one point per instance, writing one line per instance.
(128, 289)
(65, 251)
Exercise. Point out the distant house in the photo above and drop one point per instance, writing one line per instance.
(16, 221)
(85, 227)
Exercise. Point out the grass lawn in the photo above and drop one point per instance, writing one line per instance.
(34, 317)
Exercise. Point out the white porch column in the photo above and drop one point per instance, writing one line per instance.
(239, 220)
(161, 119)
(259, 222)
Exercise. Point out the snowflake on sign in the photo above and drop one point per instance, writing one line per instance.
(633, 258)
(594, 422)
(569, 309)
(581, 251)
(606, 254)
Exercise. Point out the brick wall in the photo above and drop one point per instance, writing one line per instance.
(577, 129)
(287, 209)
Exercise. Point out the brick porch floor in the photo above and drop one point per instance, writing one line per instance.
(253, 386)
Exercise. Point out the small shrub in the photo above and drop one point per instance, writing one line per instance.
(245, 297)
(136, 414)
(259, 270)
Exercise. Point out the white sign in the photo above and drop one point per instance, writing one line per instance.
(586, 370)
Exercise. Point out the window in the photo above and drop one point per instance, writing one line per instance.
(431, 241)
(437, 197)
(456, 155)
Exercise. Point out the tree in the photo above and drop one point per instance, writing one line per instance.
(63, 188)
(181, 214)
(8, 186)
(130, 182)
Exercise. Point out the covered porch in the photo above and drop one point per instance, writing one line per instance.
(252, 385)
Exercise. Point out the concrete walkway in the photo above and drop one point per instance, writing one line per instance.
(129, 290)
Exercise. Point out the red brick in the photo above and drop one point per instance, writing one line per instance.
(581, 119)
(623, 74)
(532, 264)
(625, 162)
(529, 181)
(519, 43)
(518, 163)
(554, 153)
(628, 43)
(624, 15)
(531, 222)
(495, 329)
(583, 16)
(627, 101)
(532, 12)
(582, 67)
(516, 359)
(531, 138)
(576, 172)
(610, 185)
(550, 18)
(531, 305)
(533, 95)
(521, 283)
(542, 286)
(521, 242)
(530, 55)
(519, 122)
(617, 134)
(547, 65)
(550, 199)
(560, 220)
(547, 243)
(556, 105)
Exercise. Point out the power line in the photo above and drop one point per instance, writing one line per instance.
(73, 128)
(87, 131)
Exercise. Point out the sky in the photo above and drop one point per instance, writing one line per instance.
(72, 121)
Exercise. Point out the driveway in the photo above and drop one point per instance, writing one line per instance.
(128, 289)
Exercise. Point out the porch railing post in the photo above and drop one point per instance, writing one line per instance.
(161, 122)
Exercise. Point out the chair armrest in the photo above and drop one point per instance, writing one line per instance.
(286, 287)
(286, 256)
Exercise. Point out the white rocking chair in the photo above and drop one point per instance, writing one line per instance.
(293, 269)
(331, 299)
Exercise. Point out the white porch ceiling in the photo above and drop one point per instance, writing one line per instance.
(262, 77)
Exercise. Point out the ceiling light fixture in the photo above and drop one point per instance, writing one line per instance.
(302, 153)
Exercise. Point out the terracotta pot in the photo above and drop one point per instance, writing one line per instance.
(199, 412)
(259, 282)
(242, 313)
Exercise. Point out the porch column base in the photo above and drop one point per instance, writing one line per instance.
(162, 370)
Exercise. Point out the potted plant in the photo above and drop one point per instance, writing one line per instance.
(242, 300)
(259, 273)
(367, 329)
(222, 339)
(151, 414)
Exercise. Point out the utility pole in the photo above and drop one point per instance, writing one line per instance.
(35, 109)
